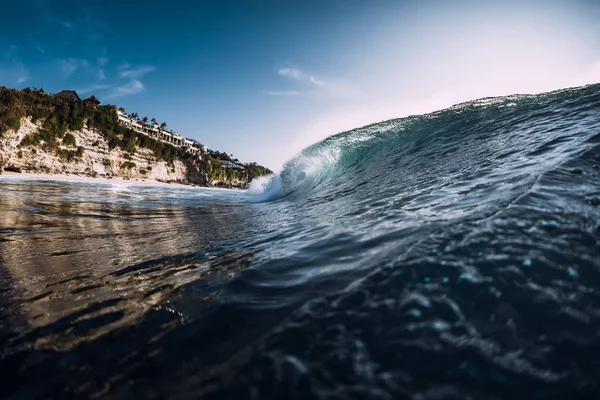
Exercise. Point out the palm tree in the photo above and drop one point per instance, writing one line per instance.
(145, 119)
(134, 116)
(153, 120)
(163, 125)
(121, 109)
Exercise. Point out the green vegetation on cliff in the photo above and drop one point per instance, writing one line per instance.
(60, 115)
(219, 172)
(254, 170)
(63, 113)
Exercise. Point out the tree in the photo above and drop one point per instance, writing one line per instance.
(69, 140)
(153, 120)
(229, 175)
(145, 119)
(163, 125)
(216, 170)
(121, 109)
(134, 116)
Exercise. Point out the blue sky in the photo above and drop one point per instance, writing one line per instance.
(263, 79)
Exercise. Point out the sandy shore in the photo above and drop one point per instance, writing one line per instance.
(77, 178)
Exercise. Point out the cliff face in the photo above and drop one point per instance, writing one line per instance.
(97, 159)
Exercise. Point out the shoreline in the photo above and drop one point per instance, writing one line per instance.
(84, 178)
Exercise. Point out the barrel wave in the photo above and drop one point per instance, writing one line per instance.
(452, 255)
(467, 143)
(477, 231)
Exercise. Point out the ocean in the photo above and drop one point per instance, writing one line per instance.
(452, 255)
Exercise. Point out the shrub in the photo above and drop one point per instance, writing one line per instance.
(45, 135)
(69, 140)
(128, 145)
(128, 165)
(216, 170)
(20, 154)
(51, 146)
(54, 127)
(15, 124)
(66, 155)
(39, 113)
(77, 124)
(80, 151)
(26, 141)
(113, 143)
(30, 140)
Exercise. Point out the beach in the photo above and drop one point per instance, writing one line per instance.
(80, 178)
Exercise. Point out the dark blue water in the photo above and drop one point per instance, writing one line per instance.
(453, 255)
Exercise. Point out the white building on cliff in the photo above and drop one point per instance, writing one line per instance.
(155, 131)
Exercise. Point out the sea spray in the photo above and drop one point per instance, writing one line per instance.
(265, 188)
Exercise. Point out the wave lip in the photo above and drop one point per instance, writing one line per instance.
(427, 150)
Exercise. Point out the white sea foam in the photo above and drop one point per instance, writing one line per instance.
(265, 188)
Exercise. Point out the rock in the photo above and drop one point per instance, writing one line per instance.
(12, 168)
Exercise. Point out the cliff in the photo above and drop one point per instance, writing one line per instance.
(41, 133)
(95, 160)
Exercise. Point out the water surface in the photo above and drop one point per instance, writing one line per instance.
(451, 255)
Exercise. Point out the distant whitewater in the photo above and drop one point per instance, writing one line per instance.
(451, 255)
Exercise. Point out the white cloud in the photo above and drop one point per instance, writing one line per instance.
(282, 93)
(127, 80)
(127, 72)
(70, 65)
(67, 24)
(93, 70)
(290, 73)
(310, 82)
(316, 82)
(13, 70)
(132, 87)
(93, 88)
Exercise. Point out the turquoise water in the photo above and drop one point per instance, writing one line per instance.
(449, 255)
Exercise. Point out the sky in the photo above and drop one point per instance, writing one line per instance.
(263, 79)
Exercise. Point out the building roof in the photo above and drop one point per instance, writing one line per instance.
(69, 95)
(92, 99)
